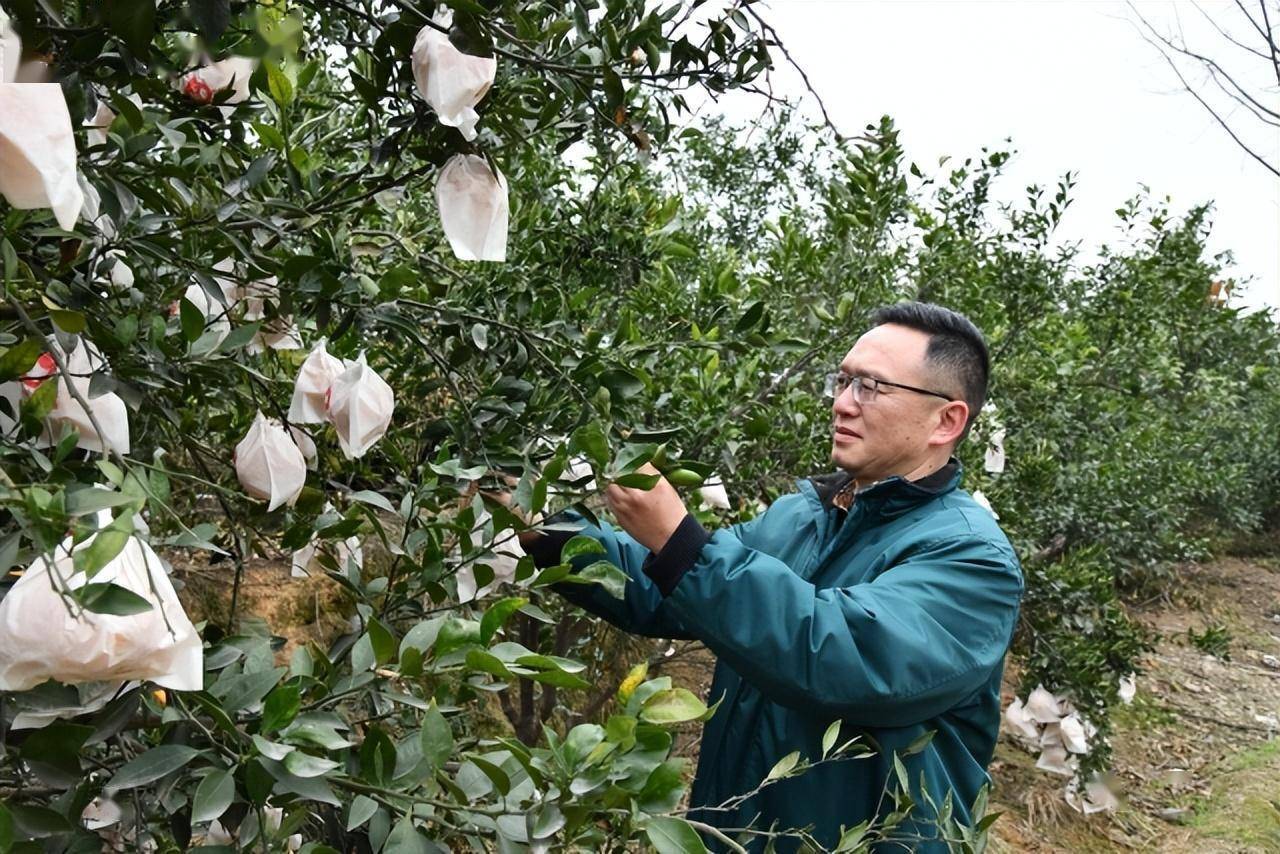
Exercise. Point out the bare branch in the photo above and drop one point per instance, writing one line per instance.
(1168, 48)
(1271, 42)
(1228, 36)
(769, 31)
(1221, 121)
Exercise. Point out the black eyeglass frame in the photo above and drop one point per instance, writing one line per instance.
(833, 380)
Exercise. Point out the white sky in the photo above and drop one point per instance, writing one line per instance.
(1072, 83)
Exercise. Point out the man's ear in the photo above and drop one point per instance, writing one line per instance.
(952, 419)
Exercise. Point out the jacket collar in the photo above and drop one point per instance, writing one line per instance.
(892, 494)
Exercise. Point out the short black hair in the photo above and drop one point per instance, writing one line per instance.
(956, 348)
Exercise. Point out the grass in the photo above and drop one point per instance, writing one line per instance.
(1243, 809)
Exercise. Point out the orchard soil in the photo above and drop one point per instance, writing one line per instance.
(1197, 754)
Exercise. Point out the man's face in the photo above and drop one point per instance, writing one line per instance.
(900, 430)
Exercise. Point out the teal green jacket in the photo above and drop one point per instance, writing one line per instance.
(893, 617)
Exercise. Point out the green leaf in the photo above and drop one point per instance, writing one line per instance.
(497, 615)
(373, 499)
(581, 544)
(405, 839)
(134, 23)
(10, 260)
(920, 743)
(36, 408)
(19, 358)
(608, 576)
(239, 337)
(6, 828)
(383, 642)
(281, 707)
(590, 439)
(68, 321)
(663, 787)
(151, 766)
(240, 692)
(670, 835)
(784, 766)
(672, 706)
(213, 796)
(191, 319)
(362, 809)
(53, 753)
(829, 737)
(363, 658)
(278, 84)
(302, 764)
(636, 480)
(106, 544)
(437, 738)
(111, 599)
(622, 384)
(377, 757)
(269, 136)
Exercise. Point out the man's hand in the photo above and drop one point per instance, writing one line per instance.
(526, 538)
(650, 517)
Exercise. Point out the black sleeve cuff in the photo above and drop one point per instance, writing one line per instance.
(678, 556)
(545, 550)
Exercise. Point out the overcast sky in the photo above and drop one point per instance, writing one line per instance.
(1072, 83)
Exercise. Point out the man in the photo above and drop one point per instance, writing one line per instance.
(880, 595)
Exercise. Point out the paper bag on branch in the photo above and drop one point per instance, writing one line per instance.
(360, 406)
(279, 334)
(215, 316)
(38, 151)
(44, 636)
(504, 561)
(312, 386)
(994, 462)
(203, 84)
(473, 208)
(306, 444)
(10, 49)
(451, 81)
(269, 465)
(713, 494)
(306, 560)
(108, 409)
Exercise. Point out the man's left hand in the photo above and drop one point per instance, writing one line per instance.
(649, 516)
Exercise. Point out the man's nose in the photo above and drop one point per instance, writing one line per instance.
(844, 404)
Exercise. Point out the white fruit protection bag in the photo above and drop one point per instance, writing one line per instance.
(269, 465)
(451, 81)
(10, 49)
(310, 389)
(108, 408)
(360, 408)
(43, 636)
(215, 316)
(473, 208)
(306, 560)
(203, 84)
(504, 562)
(713, 494)
(38, 151)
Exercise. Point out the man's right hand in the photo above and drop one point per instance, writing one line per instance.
(526, 538)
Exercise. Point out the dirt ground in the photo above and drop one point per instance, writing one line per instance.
(1197, 753)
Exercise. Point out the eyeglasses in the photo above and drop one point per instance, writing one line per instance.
(865, 389)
